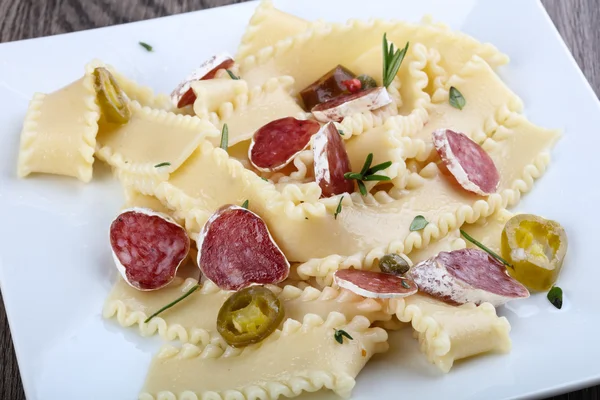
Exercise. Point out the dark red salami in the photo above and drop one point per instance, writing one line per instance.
(183, 95)
(467, 276)
(342, 106)
(472, 167)
(274, 145)
(374, 284)
(331, 162)
(236, 250)
(148, 247)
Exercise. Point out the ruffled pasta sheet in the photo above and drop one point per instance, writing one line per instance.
(59, 132)
(448, 333)
(194, 320)
(302, 356)
(368, 227)
(267, 26)
(489, 103)
(226, 101)
(330, 43)
(151, 137)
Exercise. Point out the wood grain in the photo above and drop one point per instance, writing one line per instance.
(23, 19)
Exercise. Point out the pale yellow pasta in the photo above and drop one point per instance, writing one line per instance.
(59, 132)
(448, 333)
(194, 321)
(302, 356)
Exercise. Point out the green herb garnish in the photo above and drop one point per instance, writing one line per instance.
(245, 204)
(418, 223)
(146, 46)
(484, 248)
(341, 132)
(392, 59)
(367, 173)
(339, 208)
(340, 334)
(232, 75)
(171, 304)
(162, 164)
(264, 179)
(456, 98)
(224, 137)
(555, 296)
(405, 284)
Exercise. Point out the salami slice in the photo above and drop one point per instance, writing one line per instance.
(236, 250)
(472, 167)
(331, 162)
(342, 106)
(274, 145)
(148, 247)
(183, 95)
(374, 284)
(467, 276)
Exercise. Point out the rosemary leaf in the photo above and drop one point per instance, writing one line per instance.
(484, 248)
(171, 304)
(224, 137)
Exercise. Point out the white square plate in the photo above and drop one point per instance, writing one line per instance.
(56, 268)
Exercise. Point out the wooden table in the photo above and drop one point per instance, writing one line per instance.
(22, 19)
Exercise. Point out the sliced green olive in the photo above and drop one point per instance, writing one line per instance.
(249, 316)
(393, 264)
(367, 82)
(536, 248)
(112, 100)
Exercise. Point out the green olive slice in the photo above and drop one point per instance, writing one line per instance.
(249, 316)
(112, 100)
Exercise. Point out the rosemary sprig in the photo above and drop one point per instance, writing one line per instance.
(232, 75)
(224, 137)
(162, 164)
(338, 210)
(392, 60)
(367, 173)
(146, 46)
(485, 248)
(171, 304)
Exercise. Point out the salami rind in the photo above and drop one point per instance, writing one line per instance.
(148, 247)
(276, 144)
(183, 95)
(472, 167)
(343, 106)
(331, 162)
(236, 250)
(467, 276)
(375, 284)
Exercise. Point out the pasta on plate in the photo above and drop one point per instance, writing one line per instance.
(334, 226)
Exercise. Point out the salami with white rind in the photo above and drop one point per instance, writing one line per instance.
(148, 247)
(331, 162)
(236, 250)
(467, 276)
(277, 143)
(472, 167)
(374, 284)
(183, 95)
(343, 106)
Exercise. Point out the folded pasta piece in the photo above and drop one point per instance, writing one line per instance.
(267, 26)
(153, 143)
(489, 102)
(329, 42)
(448, 333)
(299, 357)
(248, 110)
(195, 319)
(59, 132)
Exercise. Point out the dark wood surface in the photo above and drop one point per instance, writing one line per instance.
(577, 21)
